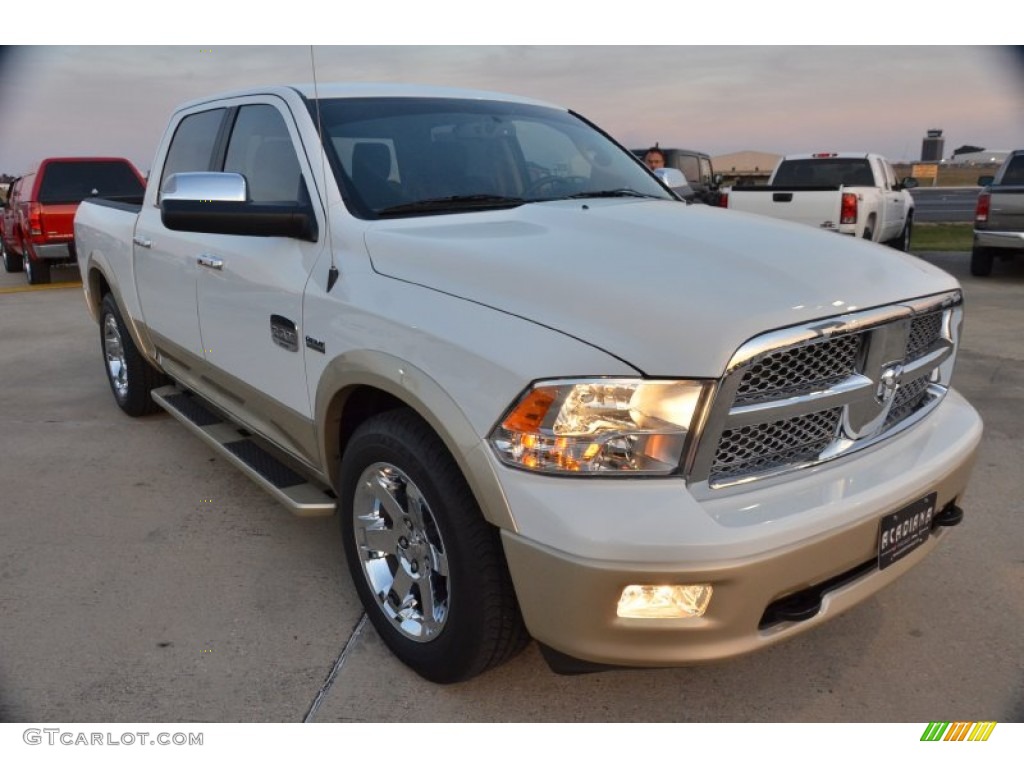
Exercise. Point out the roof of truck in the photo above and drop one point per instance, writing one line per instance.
(370, 90)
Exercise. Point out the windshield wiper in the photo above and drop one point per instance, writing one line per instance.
(453, 203)
(623, 192)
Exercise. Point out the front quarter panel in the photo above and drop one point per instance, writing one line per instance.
(460, 365)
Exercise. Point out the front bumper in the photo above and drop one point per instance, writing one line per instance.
(753, 547)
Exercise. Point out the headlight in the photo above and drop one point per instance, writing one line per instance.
(599, 426)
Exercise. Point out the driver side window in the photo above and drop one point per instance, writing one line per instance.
(261, 149)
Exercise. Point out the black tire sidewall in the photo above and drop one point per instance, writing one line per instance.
(141, 376)
(981, 262)
(454, 654)
(11, 264)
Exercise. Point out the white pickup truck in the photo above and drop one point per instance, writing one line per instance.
(546, 397)
(852, 193)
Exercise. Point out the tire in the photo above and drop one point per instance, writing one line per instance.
(429, 570)
(902, 241)
(37, 271)
(130, 375)
(981, 262)
(12, 263)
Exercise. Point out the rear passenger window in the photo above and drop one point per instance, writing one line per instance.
(73, 182)
(1014, 171)
(192, 146)
(261, 150)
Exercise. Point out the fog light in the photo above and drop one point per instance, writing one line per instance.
(653, 601)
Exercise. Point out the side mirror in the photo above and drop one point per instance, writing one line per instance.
(908, 182)
(675, 179)
(217, 203)
(671, 177)
(986, 181)
(209, 187)
(718, 179)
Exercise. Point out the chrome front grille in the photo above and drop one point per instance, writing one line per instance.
(908, 399)
(759, 447)
(924, 332)
(801, 396)
(794, 371)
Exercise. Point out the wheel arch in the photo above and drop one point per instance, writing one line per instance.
(361, 384)
(870, 224)
(96, 284)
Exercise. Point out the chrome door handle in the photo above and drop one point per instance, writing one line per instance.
(210, 261)
(142, 242)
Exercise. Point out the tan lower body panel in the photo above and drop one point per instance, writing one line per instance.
(570, 604)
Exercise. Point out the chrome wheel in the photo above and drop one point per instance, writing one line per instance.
(113, 352)
(401, 552)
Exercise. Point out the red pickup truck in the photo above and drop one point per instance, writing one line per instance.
(38, 218)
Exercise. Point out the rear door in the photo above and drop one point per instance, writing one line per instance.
(894, 211)
(165, 261)
(19, 221)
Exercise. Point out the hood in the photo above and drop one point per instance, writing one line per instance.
(671, 289)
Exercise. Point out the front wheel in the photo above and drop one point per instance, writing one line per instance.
(429, 570)
(130, 375)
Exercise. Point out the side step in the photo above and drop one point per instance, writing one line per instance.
(302, 497)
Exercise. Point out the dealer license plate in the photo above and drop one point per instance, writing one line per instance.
(904, 531)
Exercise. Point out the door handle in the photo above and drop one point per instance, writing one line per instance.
(142, 242)
(205, 260)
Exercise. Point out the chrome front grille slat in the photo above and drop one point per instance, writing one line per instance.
(802, 396)
(924, 332)
(794, 371)
(766, 446)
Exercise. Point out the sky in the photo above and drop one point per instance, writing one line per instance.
(116, 100)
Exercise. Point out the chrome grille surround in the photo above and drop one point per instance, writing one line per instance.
(801, 396)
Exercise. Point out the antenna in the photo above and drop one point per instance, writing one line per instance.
(332, 273)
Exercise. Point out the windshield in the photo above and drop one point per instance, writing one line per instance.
(416, 156)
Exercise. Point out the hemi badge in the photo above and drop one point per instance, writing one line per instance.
(316, 344)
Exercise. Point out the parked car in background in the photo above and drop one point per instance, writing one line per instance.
(697, 168)
(999, 215)
(38, 229)
(852, 193)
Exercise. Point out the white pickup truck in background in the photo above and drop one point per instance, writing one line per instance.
(548, 398)
(852, 193)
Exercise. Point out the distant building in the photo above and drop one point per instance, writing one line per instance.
(745, 167)
(932, 146)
